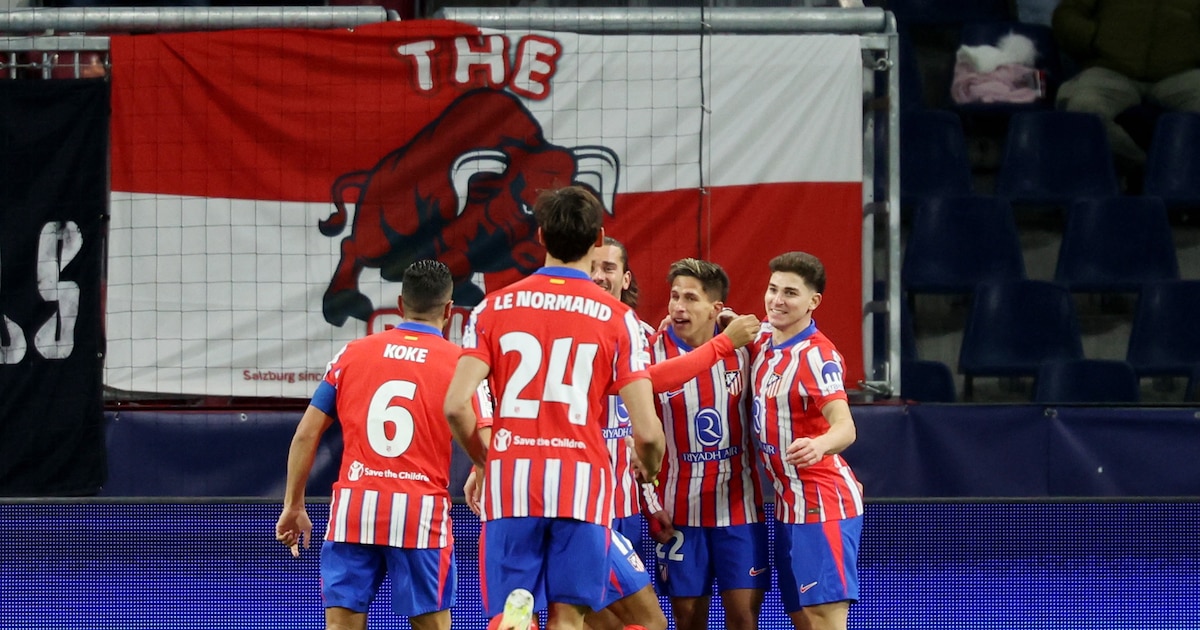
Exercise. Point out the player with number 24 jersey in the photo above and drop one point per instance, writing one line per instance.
(548, 456)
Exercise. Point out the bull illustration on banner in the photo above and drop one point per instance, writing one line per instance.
(460, 191)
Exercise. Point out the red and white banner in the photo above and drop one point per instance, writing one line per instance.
(269, 186)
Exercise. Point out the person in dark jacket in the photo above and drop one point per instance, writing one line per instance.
(1131, 52)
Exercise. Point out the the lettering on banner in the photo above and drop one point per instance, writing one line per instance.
(281, 376)
(488, 61)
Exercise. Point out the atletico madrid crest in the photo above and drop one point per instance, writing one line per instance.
(733, 383)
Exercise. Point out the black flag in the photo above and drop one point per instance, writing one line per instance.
(53, 216)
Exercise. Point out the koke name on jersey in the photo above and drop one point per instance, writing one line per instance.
(405, 353)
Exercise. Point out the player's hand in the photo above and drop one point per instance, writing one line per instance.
(661, 529)
(643, 472)
(724, 318)
(742, 330)
(293, 529)
(635, 464)
(664, 324)
(804, 452)
(473, 491)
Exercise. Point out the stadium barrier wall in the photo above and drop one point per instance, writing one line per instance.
(902, 452)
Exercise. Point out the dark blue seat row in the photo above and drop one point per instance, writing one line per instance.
(1051, 158)
(1015, 327)
(1109, 245)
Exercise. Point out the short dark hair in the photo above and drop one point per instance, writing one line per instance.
(629, 295)
(427, 286)
(712, 277)
(571, 219)
(803, 264)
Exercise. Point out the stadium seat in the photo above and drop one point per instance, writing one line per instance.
(1052, 158)
(1116, 244)
(1192, 394)
(1014, 327)
(927, 381)
(957, 242)
(933, 156)
(947, 12)
(1164, 339)
(1087, 381)
(1173, 162)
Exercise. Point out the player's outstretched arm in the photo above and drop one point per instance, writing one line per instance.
(648, 437)
(460, 412)
(294, 527)
(671, 374)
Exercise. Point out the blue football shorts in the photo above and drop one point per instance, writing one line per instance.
(423, 580)
(817, 562)
(557, 559)
(735, 557)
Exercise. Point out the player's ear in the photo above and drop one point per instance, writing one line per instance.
(541, 241)
(447, 309)
(600, 238)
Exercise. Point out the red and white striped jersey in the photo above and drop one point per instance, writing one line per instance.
(627, 494)
(792, 381)
(392, 486)
(616, 428)
(557, 346)
(709, 476)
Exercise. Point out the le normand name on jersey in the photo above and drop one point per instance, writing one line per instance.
(553, 302)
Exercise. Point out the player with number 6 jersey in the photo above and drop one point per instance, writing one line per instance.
(391, 506)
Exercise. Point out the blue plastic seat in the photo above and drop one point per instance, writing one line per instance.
(1116, 244)
(1173, 162)
(927, 381)
(1052, 158)
(1087, 381)
(1014, 327)
(957, 242)
(933, 156)
(1164, 339)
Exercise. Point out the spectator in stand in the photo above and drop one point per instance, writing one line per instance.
(1132, 52)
